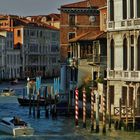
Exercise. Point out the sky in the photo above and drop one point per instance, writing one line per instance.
(32, 7)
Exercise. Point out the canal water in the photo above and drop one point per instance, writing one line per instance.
(62, 128)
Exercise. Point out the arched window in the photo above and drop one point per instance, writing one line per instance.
(112, 55)
(124, 9)
(111, 10)
(125, 54)
(138, 53)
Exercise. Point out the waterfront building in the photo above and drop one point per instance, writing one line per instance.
(9, 56)
(123, 64)
(82, 41)
(38, 44)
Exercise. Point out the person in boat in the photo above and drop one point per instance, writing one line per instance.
(17, 121)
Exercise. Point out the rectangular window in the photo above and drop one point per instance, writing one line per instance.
(71, 35)
(138, 8)
(111, 10)
(18, 33)
(130, 96)
(124, 9)
(111, 94)
(131, 8)
(71, 20)
(124, 95)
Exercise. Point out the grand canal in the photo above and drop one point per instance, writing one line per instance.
(61, 128)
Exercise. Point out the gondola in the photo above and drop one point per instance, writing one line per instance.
(24, 101)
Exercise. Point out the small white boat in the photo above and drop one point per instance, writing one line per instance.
(15, 126)
(8, 92)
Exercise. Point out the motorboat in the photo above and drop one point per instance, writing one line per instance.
(15, 126)
(8, 92)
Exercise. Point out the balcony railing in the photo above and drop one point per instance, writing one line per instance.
(96, 59)
(128, 23)
(111, 24)
(124, 75)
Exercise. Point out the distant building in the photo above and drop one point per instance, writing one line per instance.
(52, 19)
(123, 39)
(10, 63)
(38, 44)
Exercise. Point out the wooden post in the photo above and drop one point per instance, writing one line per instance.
(84, 108)
(126, 115)
(97, 111)
(45, 98)
(120, 113)
(133, 115)
(109, 110)
(30, 105)
(92, 110)
(76, 107)
(38, 104)
(104, 112)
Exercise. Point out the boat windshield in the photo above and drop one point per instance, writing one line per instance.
(6, 90)
(18, 122)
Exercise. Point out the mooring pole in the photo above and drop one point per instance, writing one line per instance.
(76, 107)
(38, 104)
(109, 110)
(45, 98)
(126, 110)
(29, 95)
(133, 115)
(120, 113)
(97, 111)
(92, 109)
(84, 108)
(34, 102)
(104, 112)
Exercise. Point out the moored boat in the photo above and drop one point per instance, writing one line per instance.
(15, 126)
(7, 92)
(24, 101)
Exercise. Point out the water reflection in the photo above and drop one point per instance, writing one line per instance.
(60, 129)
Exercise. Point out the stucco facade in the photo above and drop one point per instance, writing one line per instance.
(123, 41)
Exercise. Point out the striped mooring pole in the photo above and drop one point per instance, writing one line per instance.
(76, 107)
(84, 108)
(97, 111)
(104, 113)
(92, 110)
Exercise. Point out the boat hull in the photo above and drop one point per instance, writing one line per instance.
(23, 131)
(41, 102)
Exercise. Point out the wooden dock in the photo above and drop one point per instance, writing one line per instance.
(127, 117)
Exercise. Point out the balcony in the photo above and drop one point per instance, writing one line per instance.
(96, 59)
(124, 24)
(124, 75)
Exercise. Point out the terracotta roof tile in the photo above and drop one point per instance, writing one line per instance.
(88, 36)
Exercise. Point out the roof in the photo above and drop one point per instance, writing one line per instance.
(26, 22)
(89, 36)
(86, 3)
(76, 4)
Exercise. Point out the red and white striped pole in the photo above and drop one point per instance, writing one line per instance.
(92, 110)
(84, 108)
(76, 107)
(104, 112)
